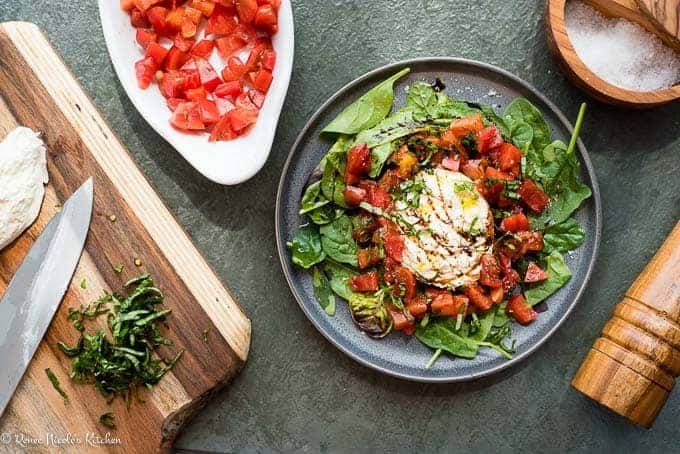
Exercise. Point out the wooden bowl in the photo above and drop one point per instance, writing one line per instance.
(578, 72)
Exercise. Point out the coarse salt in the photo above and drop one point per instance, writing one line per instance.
(619, 51)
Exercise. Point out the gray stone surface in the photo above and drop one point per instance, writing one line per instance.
(297, 392)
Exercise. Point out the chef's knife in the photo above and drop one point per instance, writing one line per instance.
(37, 288)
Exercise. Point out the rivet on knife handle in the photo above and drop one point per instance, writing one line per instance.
(631, 369)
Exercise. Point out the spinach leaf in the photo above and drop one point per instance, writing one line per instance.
(563, 237)
(395, 126)
(521, 110)
(306, 247)
(339, 278)
(441, 334)
(522, 135)
(332, 184)
(337, 155)
(558, 275)
(337, 241)
(379, 156)
(312, 198)
(325, 215)
(368, 110)
(557, 170)
(421, 98)
(323, 292)
(483, 324)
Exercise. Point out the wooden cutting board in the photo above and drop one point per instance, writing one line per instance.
(38, 91)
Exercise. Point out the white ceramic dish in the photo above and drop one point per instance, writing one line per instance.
(226, 163)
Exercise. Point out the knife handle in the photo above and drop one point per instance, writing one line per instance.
(631, 368)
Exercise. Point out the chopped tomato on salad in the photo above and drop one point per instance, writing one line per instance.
(223, 101)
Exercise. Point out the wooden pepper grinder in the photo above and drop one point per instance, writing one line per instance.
(631, 368)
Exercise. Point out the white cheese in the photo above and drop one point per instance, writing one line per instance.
(23, 174)
(448, 230)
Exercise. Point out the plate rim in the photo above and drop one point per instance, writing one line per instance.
(280, 242)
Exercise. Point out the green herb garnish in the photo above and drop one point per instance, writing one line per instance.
(127, 359)
(55, 383)
(108, 420)
(83, 284)
(205, 334)
(118, 268)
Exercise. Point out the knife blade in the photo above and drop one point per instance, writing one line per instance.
(36, 290)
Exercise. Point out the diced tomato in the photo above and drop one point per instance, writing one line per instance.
(209, 112)
(138, 19)
(473, 169)
(404, 282)
(368, 257)
(206, 7)
(394, 245)
(533, 241)
(493, 173)
(417, 307)
(354, 195)
(510, 280)
(223, 105)
(390, 179)
(157, 17)
(478, 297)
(243, 102)
(401, 322)
(187, 116)
(192, 14)
(222, 130)
(257, 97)
(405, 160)
(236, 66)
(263, 80)
(144, 36)
(358, 163)
(145, 69)
(451, 164)
(233, 89)
(520, 310)
(515, 223)
(203, 48)
(194, 94)
(377, 195)
(189, 28)
(449, 140)
(367, 282)
(240, 119)
(509, 158)
(470, 124)
(174, 19)
(173, 84)
(496, 294)
(445, 303)
(221, 22)
(209, 77)
(183, 43)
(175, 59)
(174, 102)
(488, 138)
(229, 45)
(127, 5)
(247, 9)
(491, 271)
(533, 196)
(269, 59)
(157, 53)
(535, 273)
(143, 5)
(265, 18)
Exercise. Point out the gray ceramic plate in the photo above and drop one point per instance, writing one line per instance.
(399, 355)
